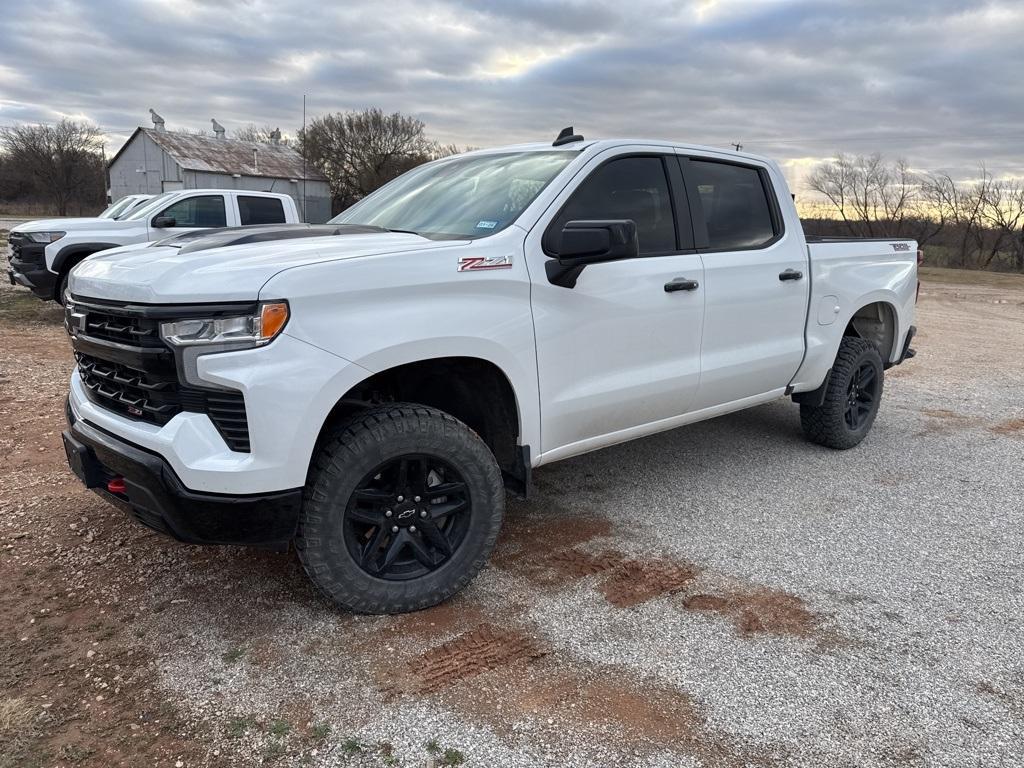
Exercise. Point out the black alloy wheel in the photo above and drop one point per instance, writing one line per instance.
(861, 396)
(407, 517)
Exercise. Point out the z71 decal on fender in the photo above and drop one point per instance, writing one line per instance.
(474, 263)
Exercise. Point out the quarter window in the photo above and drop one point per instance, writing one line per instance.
(202, 211)
(260, 210)
(735, 204)
(633, 188)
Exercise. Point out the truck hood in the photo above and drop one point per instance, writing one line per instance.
(67, 225)
(171, 274)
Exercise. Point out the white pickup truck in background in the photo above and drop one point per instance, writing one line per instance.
(43, 252)
(368, 390)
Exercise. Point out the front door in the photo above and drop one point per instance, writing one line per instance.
(618, 351)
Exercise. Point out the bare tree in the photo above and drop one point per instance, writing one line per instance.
(360, 151)
(63, 162)
(260, 134)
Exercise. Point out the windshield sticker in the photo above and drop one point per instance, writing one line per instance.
(486, 224)
(475, 263)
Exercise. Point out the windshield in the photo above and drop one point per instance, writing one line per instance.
(471, 196)
(111, 211)
(150, 206)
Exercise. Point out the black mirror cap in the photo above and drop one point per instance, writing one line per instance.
(593, 241)
(163, 222)
(585, 242)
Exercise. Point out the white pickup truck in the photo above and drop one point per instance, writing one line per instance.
(43, 252)
(369, 390)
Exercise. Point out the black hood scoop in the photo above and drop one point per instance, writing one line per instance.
(207, 239)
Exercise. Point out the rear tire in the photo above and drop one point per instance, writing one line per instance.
(852, 397)
(401, 510)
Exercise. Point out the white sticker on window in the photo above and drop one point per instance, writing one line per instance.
(486, 224)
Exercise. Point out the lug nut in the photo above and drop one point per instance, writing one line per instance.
(416, 498)
(401, 498)
(387, 513)
(412, 528)
(394, 529)
(423, 513)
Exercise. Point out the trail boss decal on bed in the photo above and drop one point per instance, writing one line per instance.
(474, 263)
(900, 246)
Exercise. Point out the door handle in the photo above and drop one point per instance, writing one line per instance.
(791, 274)
(681, 284)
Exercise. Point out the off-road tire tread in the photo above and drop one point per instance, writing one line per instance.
(343, 445)
(823, 424)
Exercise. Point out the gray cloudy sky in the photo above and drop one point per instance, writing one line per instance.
(938, 82)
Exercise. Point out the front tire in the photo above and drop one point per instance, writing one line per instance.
(852, 397)
(401, 510)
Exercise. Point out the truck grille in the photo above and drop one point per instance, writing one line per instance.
(142, 331)
(126, 368)
(24, 250)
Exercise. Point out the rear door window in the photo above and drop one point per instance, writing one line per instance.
(260, 210)
(201, 211)
(735, 204)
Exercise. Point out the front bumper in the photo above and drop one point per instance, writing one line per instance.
(155, 496)
(28, 268)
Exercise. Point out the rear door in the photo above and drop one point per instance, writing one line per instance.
(755, 280)
(617, 351)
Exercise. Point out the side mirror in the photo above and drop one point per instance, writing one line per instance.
(591, 242)
(163, 222)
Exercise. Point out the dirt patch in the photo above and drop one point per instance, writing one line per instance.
(636, 581)
(472, 653)
(944, 422)
(758, 610)
(1010, 428)
(577, 564)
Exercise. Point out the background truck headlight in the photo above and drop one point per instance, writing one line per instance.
(44, 237)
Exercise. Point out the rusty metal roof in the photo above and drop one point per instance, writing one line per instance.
(212, 155)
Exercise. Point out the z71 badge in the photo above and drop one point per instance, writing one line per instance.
(474, 263)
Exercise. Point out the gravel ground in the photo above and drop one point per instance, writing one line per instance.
(722, 595)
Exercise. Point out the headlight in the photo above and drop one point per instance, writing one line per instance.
(44, 237)
(232, 332)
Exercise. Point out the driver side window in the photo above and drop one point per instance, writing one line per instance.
(633, 188)
(202, 211)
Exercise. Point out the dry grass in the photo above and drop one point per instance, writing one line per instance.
(15, 729)
(970, 277)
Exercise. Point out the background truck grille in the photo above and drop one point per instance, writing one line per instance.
(147, 387)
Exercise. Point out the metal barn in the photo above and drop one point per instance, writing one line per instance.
(154, 160)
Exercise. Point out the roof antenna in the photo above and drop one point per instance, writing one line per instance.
(566, 137)
(737, 146)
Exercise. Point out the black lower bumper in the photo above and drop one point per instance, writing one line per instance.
(154, 495)
(41, 281)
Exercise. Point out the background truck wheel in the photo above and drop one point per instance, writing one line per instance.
(852, 397)
(401, 510)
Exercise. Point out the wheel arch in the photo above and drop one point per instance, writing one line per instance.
(878, 322)
(472, 389)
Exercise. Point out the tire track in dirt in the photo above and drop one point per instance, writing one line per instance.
(470, 654)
